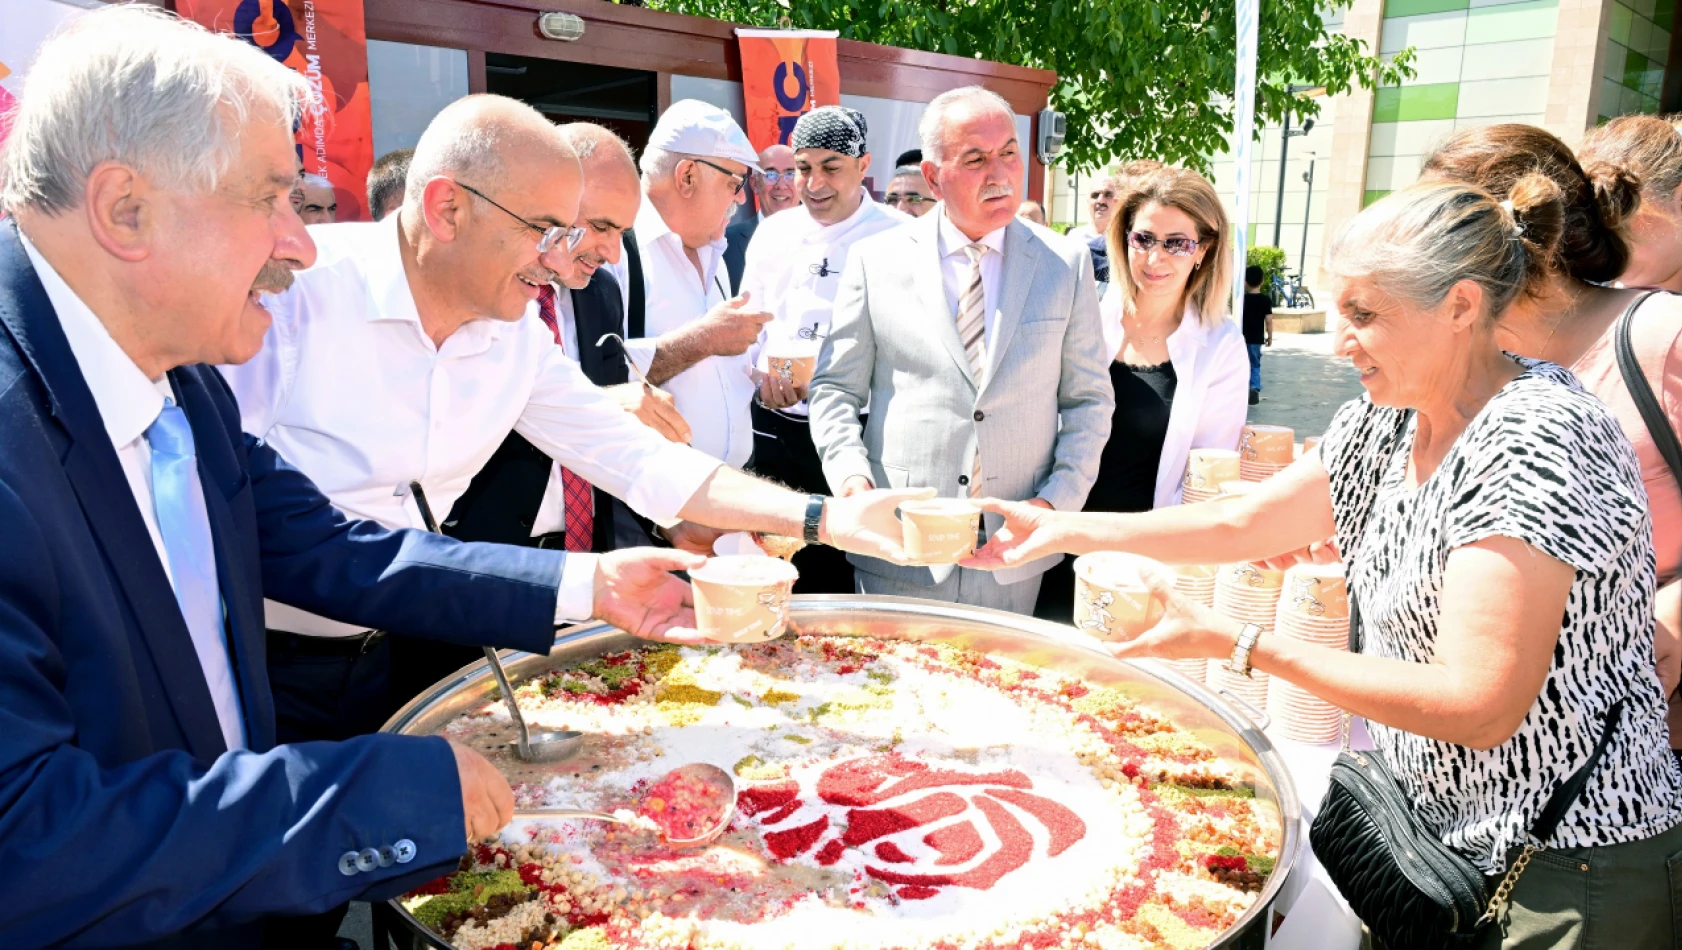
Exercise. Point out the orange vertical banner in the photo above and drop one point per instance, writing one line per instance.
(326, 42)
(785, 74)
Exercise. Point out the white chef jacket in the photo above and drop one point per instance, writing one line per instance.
(128, 404)
(714, 394)
(349, 388)
(793, 269)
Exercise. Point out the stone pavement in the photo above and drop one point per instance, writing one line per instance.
(1304, 383)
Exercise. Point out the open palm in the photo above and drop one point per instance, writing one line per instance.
(636, 592)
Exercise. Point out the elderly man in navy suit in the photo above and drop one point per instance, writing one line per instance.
(143, 800)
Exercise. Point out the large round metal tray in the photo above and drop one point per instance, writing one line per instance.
(1193, 707)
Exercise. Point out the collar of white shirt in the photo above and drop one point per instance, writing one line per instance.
(391, 298)
(128, 402)
(827, 233)
(953, 241)
(651, 228)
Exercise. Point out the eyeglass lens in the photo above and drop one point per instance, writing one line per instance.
(1143, 241)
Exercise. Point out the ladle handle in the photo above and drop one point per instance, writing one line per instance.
(564, 813)
(524, 737)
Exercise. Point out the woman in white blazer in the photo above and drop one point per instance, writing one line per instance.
(1178, 364)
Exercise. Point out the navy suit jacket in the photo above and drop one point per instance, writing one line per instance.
(123, 818)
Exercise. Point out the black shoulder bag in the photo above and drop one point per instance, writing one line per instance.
(1411, 890)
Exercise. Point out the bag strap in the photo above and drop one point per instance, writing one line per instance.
(1354, 609)
(1642, 391)
(1560, 802)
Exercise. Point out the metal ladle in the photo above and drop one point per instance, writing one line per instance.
(626, 354)
(530, 747)
(712, 775)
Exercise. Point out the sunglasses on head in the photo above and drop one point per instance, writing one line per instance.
(1143, 241)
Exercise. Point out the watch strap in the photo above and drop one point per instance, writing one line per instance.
(814, 518)
(1247, 637)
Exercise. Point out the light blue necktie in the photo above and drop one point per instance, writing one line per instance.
(178, 500)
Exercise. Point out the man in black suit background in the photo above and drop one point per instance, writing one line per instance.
(773, 191)
(521, 496)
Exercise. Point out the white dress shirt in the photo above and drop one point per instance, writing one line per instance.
(349, 388)
(955, 269)
(714, 394)
(793, 269)
(128, 404)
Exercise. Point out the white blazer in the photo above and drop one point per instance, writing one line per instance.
(1211, 389)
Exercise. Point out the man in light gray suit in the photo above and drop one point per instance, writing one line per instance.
(974, 340)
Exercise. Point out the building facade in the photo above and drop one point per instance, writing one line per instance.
(1565, 65)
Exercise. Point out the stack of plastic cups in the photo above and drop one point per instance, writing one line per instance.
(1248, 594)
(1196, 581)
(1265, 451)
(1313, 608)
(1206, 469)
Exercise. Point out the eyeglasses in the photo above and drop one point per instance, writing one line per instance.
(548, 238)
(771, 178)
(911, 198)
(737, 181)
(1143, 241)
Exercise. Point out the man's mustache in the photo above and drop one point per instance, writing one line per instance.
(274, 278)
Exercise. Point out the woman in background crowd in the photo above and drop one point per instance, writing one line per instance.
(1178, 363)
(1650, 148)
(1568, 317)
(1495, 528)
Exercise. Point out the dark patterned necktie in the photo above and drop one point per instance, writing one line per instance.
(580, 502)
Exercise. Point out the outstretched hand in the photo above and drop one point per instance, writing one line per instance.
(1187, 631)
(636, 592)
(1030, 531)
(865, 523)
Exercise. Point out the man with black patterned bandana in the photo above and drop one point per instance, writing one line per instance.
(793, 269)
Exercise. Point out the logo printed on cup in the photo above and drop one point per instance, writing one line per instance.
(1111, 599)
(743, 598)
(939, 530)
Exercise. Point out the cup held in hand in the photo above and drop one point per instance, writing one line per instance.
(792, 361)
(939, 530)
(1112, 601)
(742, 598)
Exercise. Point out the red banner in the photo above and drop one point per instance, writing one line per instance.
(326, 42)
(786, 74)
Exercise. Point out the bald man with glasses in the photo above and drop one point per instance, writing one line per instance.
(773, 191)
(405, 357)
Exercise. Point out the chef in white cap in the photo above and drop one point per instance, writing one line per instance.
(694, 172)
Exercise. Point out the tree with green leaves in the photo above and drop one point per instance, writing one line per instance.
(1136, 78)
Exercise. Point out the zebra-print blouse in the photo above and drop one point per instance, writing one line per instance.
(1544, 463)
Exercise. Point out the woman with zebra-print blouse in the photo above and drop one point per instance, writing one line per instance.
(1492, 517)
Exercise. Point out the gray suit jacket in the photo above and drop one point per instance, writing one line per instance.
(894, 343)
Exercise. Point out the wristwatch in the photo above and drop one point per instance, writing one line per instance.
(814, 518)
(1247, 637)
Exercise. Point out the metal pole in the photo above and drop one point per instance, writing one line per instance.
(1307, 201)
(1284, 150)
